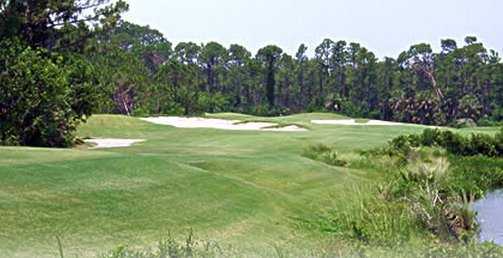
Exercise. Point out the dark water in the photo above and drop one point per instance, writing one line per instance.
(490, 217)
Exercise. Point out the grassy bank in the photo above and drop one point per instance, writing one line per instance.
(431, 180)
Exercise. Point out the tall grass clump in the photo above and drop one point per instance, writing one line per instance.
(173, 248)
(440, 174)
(423, 185)
(366, 217)
(324, 154)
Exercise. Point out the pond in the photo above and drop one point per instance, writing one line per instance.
(490, 217)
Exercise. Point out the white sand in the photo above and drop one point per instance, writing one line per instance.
(353, 122)
(112, 143)
(196, 122)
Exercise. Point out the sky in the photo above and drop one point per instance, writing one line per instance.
(386, 27)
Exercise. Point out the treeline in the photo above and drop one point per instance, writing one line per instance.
(146, 74)
(61, 61)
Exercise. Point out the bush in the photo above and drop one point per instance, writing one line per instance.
(453, 143)
(212, 103)
(42, 97)
(483, 144)
(476, 144)
(429, 137)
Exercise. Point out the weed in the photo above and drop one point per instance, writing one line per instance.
(172, 248)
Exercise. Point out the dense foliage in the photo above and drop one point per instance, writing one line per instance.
(420, 86)
(58, 25)
(44, 96)
(476, 144)
(47, 84)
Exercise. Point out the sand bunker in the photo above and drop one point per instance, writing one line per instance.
(353, 122)
(196, 122)
(112, 143)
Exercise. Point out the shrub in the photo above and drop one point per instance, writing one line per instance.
(483, 144)
(476, 144)
(454, 143)
(429, 137)
(212, 103)
(43, 96)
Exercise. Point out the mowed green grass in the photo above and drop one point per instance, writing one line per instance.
(239, 188)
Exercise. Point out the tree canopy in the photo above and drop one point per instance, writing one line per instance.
(47, 83)
(96, 62)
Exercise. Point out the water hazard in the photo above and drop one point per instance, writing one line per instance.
(490, 217)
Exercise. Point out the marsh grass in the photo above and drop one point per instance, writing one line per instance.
(367, 218)
(438, 195)
(413, 202)
(422, 195)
